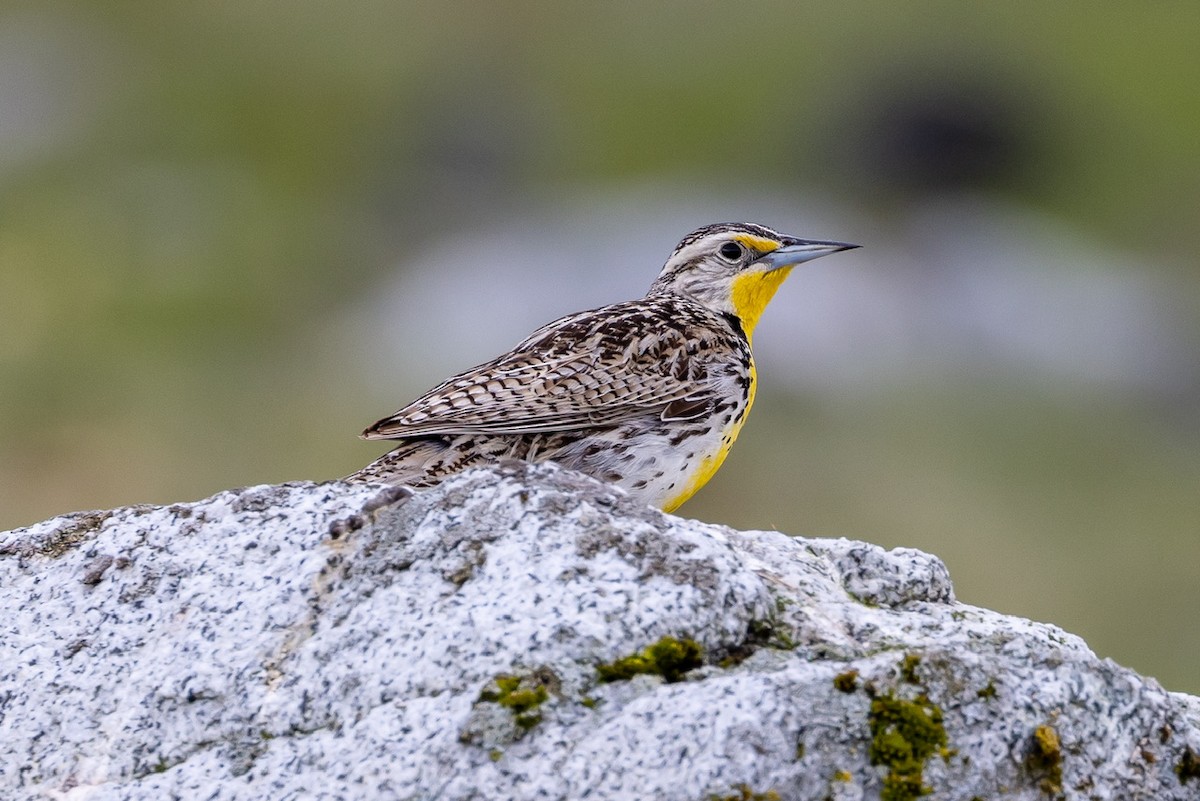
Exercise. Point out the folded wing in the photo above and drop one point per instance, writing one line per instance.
(582, 371)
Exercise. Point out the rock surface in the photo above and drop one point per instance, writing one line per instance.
(525, 633)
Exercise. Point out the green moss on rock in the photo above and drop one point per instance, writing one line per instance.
(521, 695)
(908, 668)
(1045, 759)
(846, 682)
(1188, 766)
(669, 658)
(903, 735)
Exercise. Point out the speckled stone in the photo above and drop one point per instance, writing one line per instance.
(334, 641)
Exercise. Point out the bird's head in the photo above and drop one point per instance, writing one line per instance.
(735, 268)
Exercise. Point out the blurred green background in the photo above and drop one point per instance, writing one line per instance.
(232, 234)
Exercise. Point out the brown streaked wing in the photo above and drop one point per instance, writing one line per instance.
(579, 372)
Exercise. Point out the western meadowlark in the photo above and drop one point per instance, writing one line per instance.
(648, 394)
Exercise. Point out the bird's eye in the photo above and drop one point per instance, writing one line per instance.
(731, 251)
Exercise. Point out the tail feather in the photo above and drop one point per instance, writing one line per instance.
(407, 464)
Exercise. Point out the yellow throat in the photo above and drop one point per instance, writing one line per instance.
(751, 294)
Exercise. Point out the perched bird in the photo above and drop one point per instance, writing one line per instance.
(648, 394)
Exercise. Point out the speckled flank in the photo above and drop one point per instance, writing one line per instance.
(351, 642)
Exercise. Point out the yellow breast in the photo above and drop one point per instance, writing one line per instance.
(710, 463)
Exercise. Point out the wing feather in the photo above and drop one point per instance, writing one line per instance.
(589, 369)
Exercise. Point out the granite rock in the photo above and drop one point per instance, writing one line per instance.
(528, 633)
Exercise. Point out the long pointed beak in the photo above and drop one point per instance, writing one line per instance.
(800, 250)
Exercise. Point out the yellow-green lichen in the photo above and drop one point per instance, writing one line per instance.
(908, 668)
(846, 682)
(987, 693)
(669, 658)
(843, 776)
(903, 735)
(1188, 766)
(743, 792)
(1045, 759)
(521, 695)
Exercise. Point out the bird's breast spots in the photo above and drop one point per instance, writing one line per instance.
(751, 391)
(752, 291)
(708, 466)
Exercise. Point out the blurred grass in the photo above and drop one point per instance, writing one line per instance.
(220, 182)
